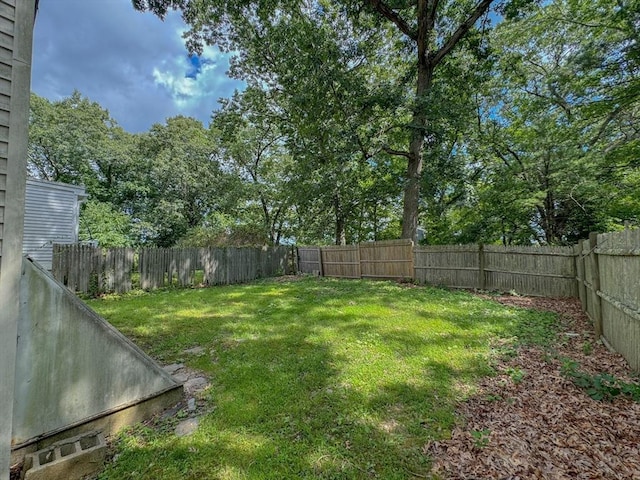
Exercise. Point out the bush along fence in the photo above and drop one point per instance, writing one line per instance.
(94, 270)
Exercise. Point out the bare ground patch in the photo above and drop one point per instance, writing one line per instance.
(531, 422)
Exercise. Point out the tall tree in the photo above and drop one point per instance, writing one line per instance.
(74, 140)
(566, 95)
(252, 147)
(430, 29)
(183, 180)
(433, 29)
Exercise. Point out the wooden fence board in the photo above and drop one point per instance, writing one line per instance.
(618, 274)
(341, 261)
(387, 259)
(310, 260)
(580, 275)
(93, 270)
(455, 266)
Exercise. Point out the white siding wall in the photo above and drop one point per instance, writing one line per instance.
(7, 18)
(51, 216)
(16, 33)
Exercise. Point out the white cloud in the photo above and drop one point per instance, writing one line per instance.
(192, 86)
(131, 63)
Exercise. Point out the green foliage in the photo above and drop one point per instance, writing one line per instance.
(522, 132)
(536, 327)
(602, 386)
(516, 374)
(75, 141)
(481, 437)
(553, 172)
(252, 148)
(221, 230)
(101, 222)
(183, 180)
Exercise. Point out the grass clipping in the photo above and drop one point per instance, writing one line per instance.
(531, 422)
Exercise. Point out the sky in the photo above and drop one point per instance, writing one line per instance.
(131, 63)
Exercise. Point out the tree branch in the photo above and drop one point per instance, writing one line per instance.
(399, 153)
(461, 31)
(386, 11)
(432, 7)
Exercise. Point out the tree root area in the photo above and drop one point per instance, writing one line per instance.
(531, 422)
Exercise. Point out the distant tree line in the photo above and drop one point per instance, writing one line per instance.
(511, 122)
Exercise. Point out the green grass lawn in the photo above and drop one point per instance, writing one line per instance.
(316, 378)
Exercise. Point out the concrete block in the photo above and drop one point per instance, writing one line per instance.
(70, 459)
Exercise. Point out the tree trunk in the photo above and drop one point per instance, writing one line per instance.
(414, 161)
(341, 235)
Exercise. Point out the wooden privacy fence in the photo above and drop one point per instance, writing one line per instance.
(538, 271)
(608, 267)
(95, 270)
(543, 271)
(87, 269)
(387, 259)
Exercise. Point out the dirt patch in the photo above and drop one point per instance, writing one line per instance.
(15, 473)
(531, 422)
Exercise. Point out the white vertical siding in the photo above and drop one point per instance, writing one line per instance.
(16, 35)
(7, 25)
(51, 216)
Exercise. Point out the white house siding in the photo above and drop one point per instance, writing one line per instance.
(7, 26)
(52, 212)
(16, 35)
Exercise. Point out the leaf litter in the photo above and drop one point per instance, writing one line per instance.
(538, 424)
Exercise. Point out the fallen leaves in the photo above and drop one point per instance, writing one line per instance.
(542, 426)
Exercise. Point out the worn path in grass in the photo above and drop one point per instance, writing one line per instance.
(316, 378)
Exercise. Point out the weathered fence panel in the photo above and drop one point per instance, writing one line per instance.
(455, 266)
(615, 276)
(214, 265)
(94, 270)
(386, 259)
(118, 265)
(310, 260)
(580, 275)
(537, 271)
(590, 280)
(89, 269)
(342, 261)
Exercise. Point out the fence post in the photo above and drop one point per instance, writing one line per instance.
(359, 272)
(412, 256)
(294, 260)
(482, 281)
(595, 276)
(580, 275)
(320, 261)
(56, 270)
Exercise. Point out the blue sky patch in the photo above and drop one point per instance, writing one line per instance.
(196, 63)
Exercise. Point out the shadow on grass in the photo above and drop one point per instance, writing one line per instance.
(312, 379)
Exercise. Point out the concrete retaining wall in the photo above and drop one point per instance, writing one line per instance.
(72, 365)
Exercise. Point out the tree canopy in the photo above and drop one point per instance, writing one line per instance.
(476, 120)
